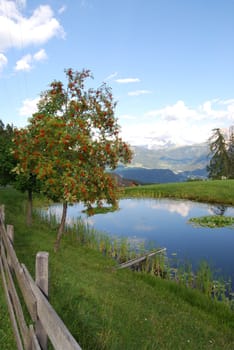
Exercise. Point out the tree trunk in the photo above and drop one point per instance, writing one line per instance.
(61, 227)
(29, 209)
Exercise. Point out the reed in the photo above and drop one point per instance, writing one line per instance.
(182, 273)
(119, 248)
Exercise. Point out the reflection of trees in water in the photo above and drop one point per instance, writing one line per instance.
(218, 209)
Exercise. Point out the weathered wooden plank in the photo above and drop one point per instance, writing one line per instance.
(10, 233)
(22, 281)
(140, 259)
(2, 214)
(9, 248)
(18, 311)
(34, 341)
(11, 310)
(57, 332)
(42, 281)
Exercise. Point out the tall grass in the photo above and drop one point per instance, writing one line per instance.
(119, 248)
(182, 273)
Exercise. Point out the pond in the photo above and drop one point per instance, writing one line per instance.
(164, 223)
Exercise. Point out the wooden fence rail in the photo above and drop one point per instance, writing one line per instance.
(140, 259)
(45, 323)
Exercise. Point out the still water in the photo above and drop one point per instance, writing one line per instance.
(164, 223)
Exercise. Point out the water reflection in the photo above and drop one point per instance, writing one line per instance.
(163, 223)
(181, 208)
(218, 209)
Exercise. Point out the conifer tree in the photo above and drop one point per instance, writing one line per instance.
(219, 163)
(231, 152)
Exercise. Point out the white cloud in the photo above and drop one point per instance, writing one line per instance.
(226, 102)
(18, 31)
(3, 61)
(139, 92)
(177, 111)
(127, 80)
(24, 64)
(40, 55)
(223, 113)
(28, 107)
(62, 9)
(111, 76)
(178, 124)
(21, 3)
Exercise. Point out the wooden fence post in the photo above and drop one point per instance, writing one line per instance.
(2, 214)
(42, 278)
(10, 234)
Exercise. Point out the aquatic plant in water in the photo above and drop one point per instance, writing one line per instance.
(212, 221)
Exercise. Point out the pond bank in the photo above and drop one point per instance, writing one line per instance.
(94, 299)
(210, 191)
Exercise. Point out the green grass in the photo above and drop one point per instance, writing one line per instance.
(218, 191)
(105, 308)
(7, 341)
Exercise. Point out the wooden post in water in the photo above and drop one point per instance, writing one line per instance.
(42, 279)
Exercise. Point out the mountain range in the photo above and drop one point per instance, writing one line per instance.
(175, 158)
(167, 164)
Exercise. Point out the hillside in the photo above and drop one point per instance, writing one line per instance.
(177, 159)
(165, 165)
(152, 176)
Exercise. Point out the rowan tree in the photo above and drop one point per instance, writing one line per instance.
(75, 137)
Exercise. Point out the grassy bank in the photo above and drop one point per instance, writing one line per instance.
(219, 191)
(105, 308)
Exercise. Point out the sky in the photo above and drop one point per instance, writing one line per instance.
(170, 63)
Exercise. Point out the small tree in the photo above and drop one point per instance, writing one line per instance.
(26, 157)
(7, 161)
(75, 136)
(219, 162)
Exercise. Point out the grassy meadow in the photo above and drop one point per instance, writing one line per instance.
(218, 191)
(106, 308)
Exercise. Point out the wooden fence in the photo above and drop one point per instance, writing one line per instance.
(45, 323)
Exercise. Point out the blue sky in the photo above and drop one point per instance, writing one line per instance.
(170, 63)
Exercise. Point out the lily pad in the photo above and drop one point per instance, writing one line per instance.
(212, 221)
